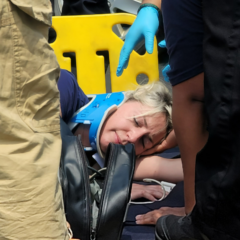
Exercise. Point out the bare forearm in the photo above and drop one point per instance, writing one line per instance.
(159, 168)
(155, 2)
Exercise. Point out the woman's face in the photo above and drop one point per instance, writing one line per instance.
(123, 127)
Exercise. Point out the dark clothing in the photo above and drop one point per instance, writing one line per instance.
(82, 7)
(217, 211)
(183, 26)
(72, 97)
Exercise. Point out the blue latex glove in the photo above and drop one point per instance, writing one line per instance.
(162, 44)
(165, 71)
(145, 26)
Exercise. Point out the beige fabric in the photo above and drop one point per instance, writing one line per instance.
(41, 10)
(31, 205)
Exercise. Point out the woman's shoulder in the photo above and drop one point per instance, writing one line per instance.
(72, 97)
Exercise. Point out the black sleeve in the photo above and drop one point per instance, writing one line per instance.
(83, 7)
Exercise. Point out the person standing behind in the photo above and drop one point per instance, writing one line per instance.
(31, 204)
(216, 213)
(186, 74)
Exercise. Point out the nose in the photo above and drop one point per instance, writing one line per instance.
(135, 135)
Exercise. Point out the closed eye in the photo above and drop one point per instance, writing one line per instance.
(147, 142)
(136, 122)
(142, 140)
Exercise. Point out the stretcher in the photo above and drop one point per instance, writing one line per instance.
(85, 35)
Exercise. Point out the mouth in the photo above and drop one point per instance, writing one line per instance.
(117, 139)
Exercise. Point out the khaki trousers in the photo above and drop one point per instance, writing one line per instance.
(30, 195)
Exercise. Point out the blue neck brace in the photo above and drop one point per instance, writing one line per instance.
(95, 113)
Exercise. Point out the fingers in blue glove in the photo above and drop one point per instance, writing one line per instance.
(145, 26)
(162, 44)
(124, 57)
(149, 42)
(165, 73)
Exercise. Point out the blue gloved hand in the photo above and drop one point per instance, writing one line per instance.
(164, 73)
(167, 68)
(162, 44)
(145, 26)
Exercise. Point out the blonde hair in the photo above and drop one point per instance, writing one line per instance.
(156, 96)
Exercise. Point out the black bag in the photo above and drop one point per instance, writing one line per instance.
(95, 207)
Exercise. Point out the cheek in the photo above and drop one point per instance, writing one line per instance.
(105, 138)
(138, 149)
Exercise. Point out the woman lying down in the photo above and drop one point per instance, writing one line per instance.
(141, 117)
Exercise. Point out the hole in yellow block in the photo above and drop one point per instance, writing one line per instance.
(142, 79)
(72, 56)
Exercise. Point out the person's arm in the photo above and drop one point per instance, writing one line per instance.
(162, 169)
(151, 218)
(72, 98)
(155, 2)
(150, 192)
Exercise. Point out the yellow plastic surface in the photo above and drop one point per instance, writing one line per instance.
(85, 35)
